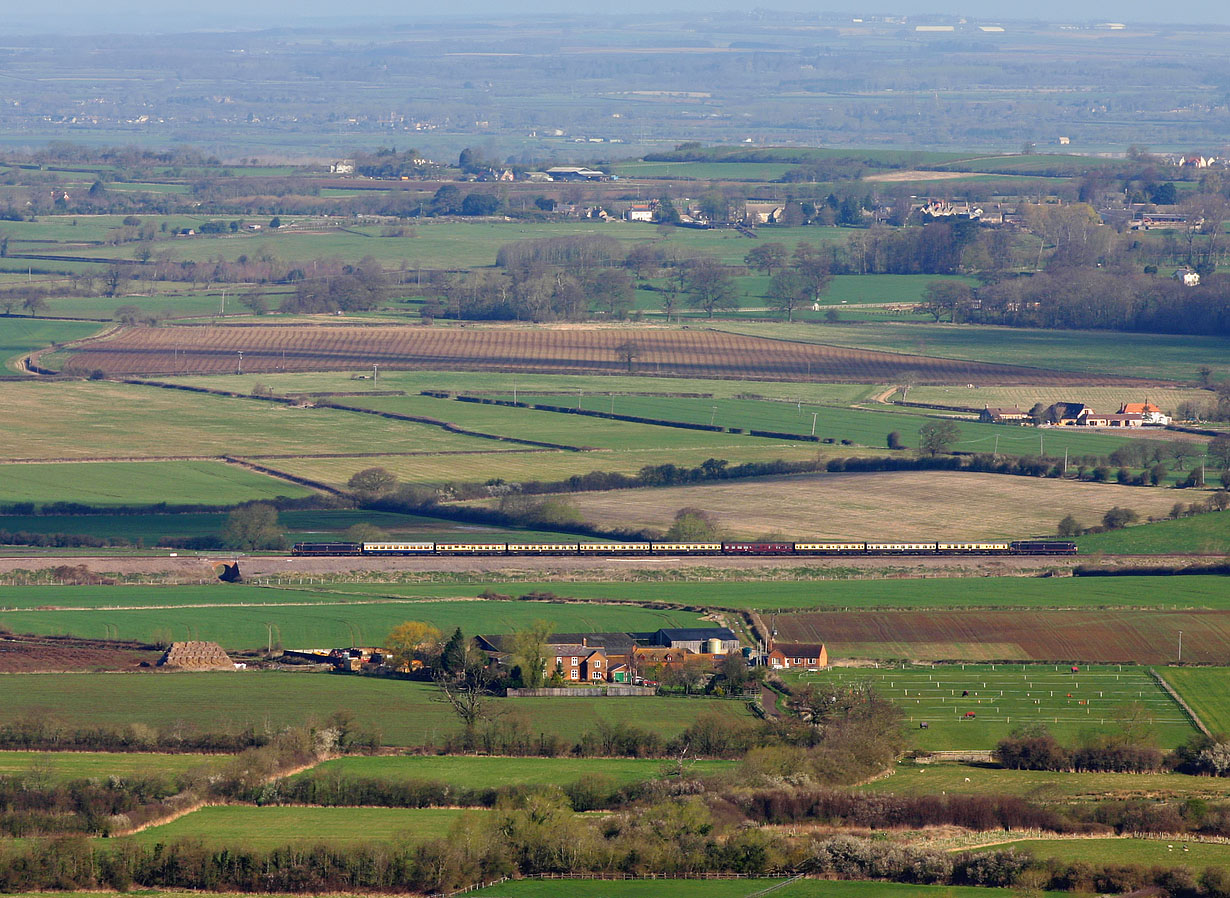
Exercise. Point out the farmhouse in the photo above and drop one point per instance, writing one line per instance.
(755, 212)
(578, 663)
(1068, 414)
(1005, 415)
(788, 655)
(1150, 414)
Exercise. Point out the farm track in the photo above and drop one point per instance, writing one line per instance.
(579, 350)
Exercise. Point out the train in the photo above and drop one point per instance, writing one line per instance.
(609, 550)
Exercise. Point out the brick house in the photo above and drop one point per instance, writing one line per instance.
(792, 655)
(578, 663)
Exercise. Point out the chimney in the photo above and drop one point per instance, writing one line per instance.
(585, 641)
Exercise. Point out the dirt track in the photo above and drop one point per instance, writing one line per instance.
(194, 568)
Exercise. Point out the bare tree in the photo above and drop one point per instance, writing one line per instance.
(629, 351)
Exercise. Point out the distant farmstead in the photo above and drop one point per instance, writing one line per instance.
(196, 656)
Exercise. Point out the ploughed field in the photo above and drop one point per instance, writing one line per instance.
(1106, 635)
(673, 352)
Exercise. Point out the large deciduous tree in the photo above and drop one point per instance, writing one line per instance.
(935, 437)
(253, 526)
(710, 286)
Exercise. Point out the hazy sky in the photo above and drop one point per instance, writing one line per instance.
(159, 15)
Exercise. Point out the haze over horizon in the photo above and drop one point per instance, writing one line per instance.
(143, 16)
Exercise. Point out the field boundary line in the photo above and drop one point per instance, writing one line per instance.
(394, 416)
(1170, 690)
(777, 885)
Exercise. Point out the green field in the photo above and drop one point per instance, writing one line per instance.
(140, 483)
(861, 427)
(64, 766)
(467, 772)
(837, 594)
(261, 829)
(735, 888)
(1205, 690)
(1202, 534)
(1043, 786)
(20, 335)
(301, 526)
(1007, 696)
(406, 713)
(705, 171)
(125, 421)
(340, 623)
(1137, 852)
(1156, 356)
(563, 384)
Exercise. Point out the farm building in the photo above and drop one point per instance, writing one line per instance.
(196, 656)
(1005, 415)
(788, 655)
(702, 640)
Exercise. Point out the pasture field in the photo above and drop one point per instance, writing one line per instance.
(261, 829)
(552, 427)
(19, 336)
(140, 483)
(318, 624)
(451, 244)
(864, 427)
(185, 304)
(467, 772)
(814, 588)
(583, 350)
(733, 888)
(1004, 697)
(1089, 353)
(514, 466)
(406, 713)
(1123, 636)
(561, 387)
(301, 526)
(1044, 786)
(893, 506)
(126, 421)
(705, 171)
(1137, 852)
(64, 766)
(1206, 690)
(1202, 534)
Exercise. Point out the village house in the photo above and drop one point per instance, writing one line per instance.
(639, 212)
(1187, 277)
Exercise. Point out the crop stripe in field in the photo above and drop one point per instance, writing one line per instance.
(1170, 690)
